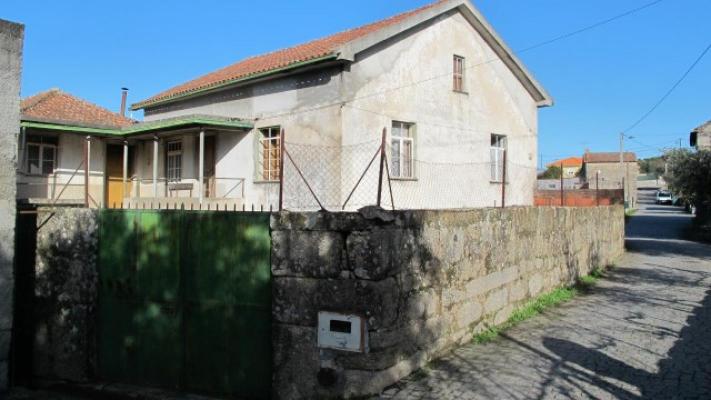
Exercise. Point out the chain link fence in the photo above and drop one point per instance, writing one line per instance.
(346, 178)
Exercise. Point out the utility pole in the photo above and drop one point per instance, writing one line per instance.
(622, 165)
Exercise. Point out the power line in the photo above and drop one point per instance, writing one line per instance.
(590, 27)
(669, 92)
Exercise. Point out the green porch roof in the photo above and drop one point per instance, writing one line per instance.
(143, 128)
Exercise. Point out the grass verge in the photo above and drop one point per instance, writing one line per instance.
(540, 304)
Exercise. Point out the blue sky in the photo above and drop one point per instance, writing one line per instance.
(602, 80)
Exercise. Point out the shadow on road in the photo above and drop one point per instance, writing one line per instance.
(685, 370)
(687, 364)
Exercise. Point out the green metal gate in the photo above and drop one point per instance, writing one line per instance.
(185, 301)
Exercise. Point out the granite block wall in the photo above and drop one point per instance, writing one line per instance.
(426, 281)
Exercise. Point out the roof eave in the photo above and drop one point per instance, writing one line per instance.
(477, 20)
(141, 128)
(69, 128)
(54, 121)
(234, 82)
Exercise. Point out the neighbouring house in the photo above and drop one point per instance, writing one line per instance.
(700, 137)
(454, 100)
(61, 132)
(605, 171)
(571, 166)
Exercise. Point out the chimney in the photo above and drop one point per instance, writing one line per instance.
(124, 94)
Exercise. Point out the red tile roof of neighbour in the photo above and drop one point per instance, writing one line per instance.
(281, 58)
(608, 157)
(567, 162)
(59, 107)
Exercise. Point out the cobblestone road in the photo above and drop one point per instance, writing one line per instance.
(644, 332)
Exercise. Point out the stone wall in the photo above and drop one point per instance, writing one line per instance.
(425, 280)
(612, 177)
(63, 296)
(11, 38)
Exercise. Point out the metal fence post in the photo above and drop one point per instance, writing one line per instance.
(562, 200)
(281, 170)
(503, 182)
(382, 160)
(597, 188)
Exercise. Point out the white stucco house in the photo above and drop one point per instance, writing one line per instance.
(449, 94)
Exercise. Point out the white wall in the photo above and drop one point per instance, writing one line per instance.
(452, 129)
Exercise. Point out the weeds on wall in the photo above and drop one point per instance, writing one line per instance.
(540, 304)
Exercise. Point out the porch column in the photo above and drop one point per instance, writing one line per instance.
(155, 166)
(125, 168)
(87, 164)
(201, 166)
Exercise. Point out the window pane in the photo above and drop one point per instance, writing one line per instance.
(48, 154)
(407, 159)
(33, 159)
(33, 152)
(396, 129)
(48, 158)
(270, 154)
(395, 156)
(34, 166)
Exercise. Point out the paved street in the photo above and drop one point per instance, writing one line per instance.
(644, 332)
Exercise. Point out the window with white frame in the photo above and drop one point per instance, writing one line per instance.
(458, 74)
(270, 153)
(41, 155)
(174, 160)
(401, 147)
(498, 148)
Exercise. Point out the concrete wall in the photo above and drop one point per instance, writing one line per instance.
(425, 280)
(11, 39)
(336, 107)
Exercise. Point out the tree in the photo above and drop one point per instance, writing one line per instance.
(652, 165)
(553, 172)
(689, 176)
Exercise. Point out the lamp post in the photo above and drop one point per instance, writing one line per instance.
(625, 179)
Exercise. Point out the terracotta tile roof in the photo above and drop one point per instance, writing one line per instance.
(59, 107)
(608, 157)
(567, 162)
(281, 58)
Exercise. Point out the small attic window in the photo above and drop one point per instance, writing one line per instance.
(458, 74)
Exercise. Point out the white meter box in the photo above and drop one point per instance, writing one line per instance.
(342, 332)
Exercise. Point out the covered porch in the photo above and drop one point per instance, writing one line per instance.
(174, 164)
(186, 162)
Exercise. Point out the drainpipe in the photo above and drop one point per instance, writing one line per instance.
(125, 169)
(22, 144)
(155, 166)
